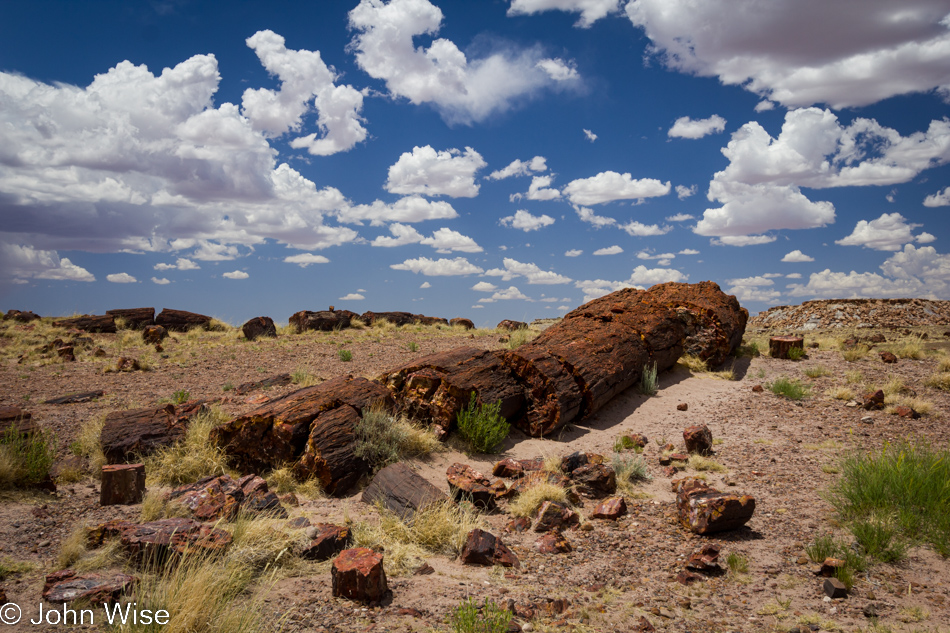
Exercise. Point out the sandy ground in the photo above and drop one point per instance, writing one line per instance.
(618, 572)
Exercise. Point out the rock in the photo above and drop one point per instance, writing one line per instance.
(401, 490)
(595, 480)
(127, 364)
(705, 510)
(830, 566)
(757, 389)
(484, 548)
(644, 626)
(3, 596)
(259, 327)
(221, 498)
(21, 316)
(780, 345)
(510, 325)
(327, 541)
(520, 524)
(156, 540)
(323, 321)
(465, 323)
(873, 401)
(553, 543)
(280, 380)
(66, 352)
(870, 611)
(639, 440)
(357, 574)
(705, 559)
(181, 320)
(424, 569)
(104, 323)
(570, 463)
(428, 320)
(258, 500)
(907, 412)
(135, 318)
(682, 406)
(467, 483)
(139, 432)
(96, 589)
(86, 396)
(610, 509)
(554, 516)
(686, 577)
(122, 484)
(154, 334)
(834, 588)
(507, 468)
(698, 439)
(888, 358)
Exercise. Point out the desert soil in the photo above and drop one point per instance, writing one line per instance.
(619, 572)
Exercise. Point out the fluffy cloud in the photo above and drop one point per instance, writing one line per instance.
(685, 127)
(121, 278)
(303, 76)
(793, 276)
(430, 173)
(526, 222)
(439, 267)
(160, 282)
(531, 272)
(587, 214)
(797, 256)
(753, 289)
(353, 296)
(863, 50)
(558, 69)
(663, 259)
(680, 217)
(609, 250)
(688, 251)
(854, 285)
(521, 168)
(181, 263)
(463, 90)
(408, 209)
(939, 199)
(608, 186)
(924, 263)
(573, 253)
(540, 189)
(752, 209)
(590, 136)
(590, 10)
(236, 274)
(446, 240)
(640, 278)
(22, 262)
(305, 259)
(742, 240)
(402, 235)
(683, 192)
(484, 286)
(638, 229)
(505, 295)
(764, 106)
(887, 233)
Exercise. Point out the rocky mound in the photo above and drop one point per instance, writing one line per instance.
(860, 313)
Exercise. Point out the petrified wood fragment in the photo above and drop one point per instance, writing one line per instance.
(102, 323)
(135, 318)
(259, 327)
(122, 484)
(139, 432)
(401, 490)
(323, 321)
(85, 396)
(705, 510)
(94, 588)
(181, 320)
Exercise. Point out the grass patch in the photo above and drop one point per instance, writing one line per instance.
(468, 617)
(705, 464)
(281, 480)
(854, 377)
(483, 426)
(842, 393)
(528, 502)
(749, 350)
(817, 372)
(648, 380)
(382, 439)
(193, 457)
(939, 380)
(912, 348)
(629, 470)
(856, 353)
(345, 355)
(413, 347)
(737, 563)
(693, 363)
(796, 353)
(181, 397)
(791, 389)
(517, 338)
(825, 546)
(8, 568)
(25, 460)
(904, 485)
(303, 378)
(944, 365)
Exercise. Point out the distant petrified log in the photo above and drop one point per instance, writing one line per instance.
(428, 320)
(181, 321)
(510, 325)
(313, 427)
(74, 398)
(465, 323)
(258, 327)
(21, 421)
(103, 323)
(21, 316)
(280, 380)
(396, 318)
(434, 388)
(323, 321)
(139, 432)
(779, 346)
(715, 322)
(135, 318)
(401, 490)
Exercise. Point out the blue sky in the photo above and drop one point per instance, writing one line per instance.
(495, 159)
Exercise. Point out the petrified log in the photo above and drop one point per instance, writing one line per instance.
(181, 320)
(258, 327)
(401, 490)
(465, 323)
(715, 322)
(95, 589)
(85, 396)
(434, 388)
(313, 426)
(427, 320)
(327, 541)
(102, 323)
(510, 325)
(698, 439)
(122, 484)
(780, 345)
(21, 421)
(705, 510)
(139, 432)
(280, 380)
(21, 316)
(396, 318)
(323, 321)
(135, 318)
(155, 540)
(358, 574)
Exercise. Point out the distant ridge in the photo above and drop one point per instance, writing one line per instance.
(825, 314)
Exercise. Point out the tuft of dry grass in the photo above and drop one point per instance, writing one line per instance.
(87, 444)
(693, 363)
(629, 470)
(303, 378)
(856, 353)
(944, 365)
(156, 506)
(528, 502)
(282, 480)
(854, 377)
(841, 393)
(517, 338)
(193, 457)
(383, 439)
(706, 464)
(939, 380)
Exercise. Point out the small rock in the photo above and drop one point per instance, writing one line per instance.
(873, 401)
(554, 516)
(553, 543)
(358, 574)
(687, 577)
(424, 570)
(327, 541)
(907, 412)
(830, 566)
(757, 389)
(484, 548)
(869, 610)
(867, 420)
(888, 358)
(698, 439)
(610, 509)
(682, 406)
(834, 588)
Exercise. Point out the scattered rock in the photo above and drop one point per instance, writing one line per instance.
(134, 318)
(156, 540)
(595, 480)
(705, 559)
(259, 327)
(86, 396)
(510, 325)
(324, 321)
(610, 509)
(467, 483)
(779, 346)
(873, 401)
(553, 543)
(87, 323)
(757, 389)
(834, 588)
(216, 498)
(686, 577)
(705, 510)
(682, 406)
(21, 316)
(280, 380)
(122, 484)
(888, 358)
(326, 541)
(830, 566)
(154, 334)
(907, 412)
(554, 516)
(484, 548)
(519, 524)
(698, 439)
(401, 490)
(357, 574)
(96, 589)
(424, 569)
(465, 323)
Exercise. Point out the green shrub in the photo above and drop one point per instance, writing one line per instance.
(825, 546)
(483, 427)
(879, 540)
(181, 396)
(750, 350)
(648, 380)
(413, 347)
(737, 563)
(346, 355)
(624, 443)
(796, 353)
(469, 618)
(791, 389)
(817, 372)
(25, 460)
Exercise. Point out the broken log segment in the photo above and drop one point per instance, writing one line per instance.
(139, 432)
(181, 320)
(96, 323)
(135, 318)
(323, 321)
(74, 398)
(401, 490)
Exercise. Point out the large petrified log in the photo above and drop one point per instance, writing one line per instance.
(436, 387)
(258, 327)
(323, 321)
(135, 318)
(21, 316)
(181, 320)
(89, 323)
(313, 428)
(715, 322)
(402, 491)
(16, 421)
(396, 318)
(139, 432)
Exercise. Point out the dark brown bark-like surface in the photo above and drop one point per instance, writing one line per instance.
(122, 484)
(139, 432)
(779, 345)
(323, 321)
(434, 388)
(258, 327)
(274, 381)
(508, 324)
(429, 320)
(396, 318)
(278, 432)
(21, 421)
(89, 323)
(330, 454)
(715, 322)
(181, 320)
(74, 398)
(135, 318)
(21, 316)
(401, 490)
(466, 323)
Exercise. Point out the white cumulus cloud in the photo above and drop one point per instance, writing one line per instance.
(508, 294)
(590, 136)
(742, 240)
(609, 250)
(685, 127)
(590, 10)
(638, 229)
(526, 222)
(439, 267)
(797, 256)
(353, 296)
(519, 167)
(305, 259)
(586, 214)
(939, 199)
(532, 272)
(683, 192)
(22, 262)
(573, 253)
(887, 233)
(236, 274)
(121, 278)
(641, 277)
(427, 172)
(402, 234)
(484, 286)
(408, 209)
(161, 282)
(446, 240)
(608, 186)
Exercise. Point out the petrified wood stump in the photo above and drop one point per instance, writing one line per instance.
(122, 484)
(258, 327)
(780, 345)
(358, 574)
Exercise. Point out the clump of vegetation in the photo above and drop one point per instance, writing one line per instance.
(648, 380)
(791, 389)
(855, 353)
(181, 397)
(854, 377)
(382, 439)
(737, 563)
(346, 355)
(25, 459)
(193, 457)
(517, 338)
(825, 546)
(468, 617)
(706, 464)
(282, 480)
(903, 486)
(841, 393)
(629, 470)
(626, 443)
(483, 426)
(303, 378)
(8, 568)
(749, 350)
(910, 348)
(796, 353)
(693, 363)
(817, 371)
(939, 380)
(413, 346)
(528, 502)
(87, 444)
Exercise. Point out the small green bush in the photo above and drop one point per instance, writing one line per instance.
(346, 355)
(483, 427)
(750, 350)
(737, 563)
(791, 389)
(468, 618)
(796, 353)
(879, 539)
(181, 396)
(624, 443)
(25, 460)
(413, 347)
(648, 380)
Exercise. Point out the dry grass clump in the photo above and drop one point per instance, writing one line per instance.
(856, 353)
(944, 365)
(528, 502)
(303, 378)
(25, 460)
(912, 348)
(18, 341)
(156, 506)
(74, 553)
(282, 480)
(939, 380)
(706, 464)
(841, 393)
(517, 338)
(921, 406)
(817, 371)
(629, 470)
(854, 377)
(693, 363)
(193, 457)
(259, 542)
(383, 439)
